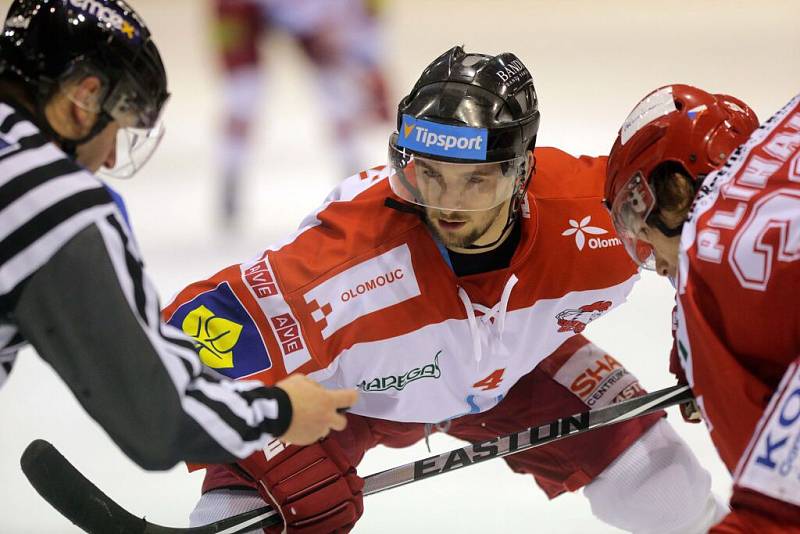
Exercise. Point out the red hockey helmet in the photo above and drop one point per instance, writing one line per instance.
(680, 124)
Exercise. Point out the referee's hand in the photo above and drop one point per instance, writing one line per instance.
(315, 410)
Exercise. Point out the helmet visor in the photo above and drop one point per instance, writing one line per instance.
(134, 148)
(141, 128)
(629, 212)
(450, 186)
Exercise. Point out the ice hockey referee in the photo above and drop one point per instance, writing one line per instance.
(82, 87)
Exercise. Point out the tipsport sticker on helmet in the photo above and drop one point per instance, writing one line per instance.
(106, 14)
(460, 142)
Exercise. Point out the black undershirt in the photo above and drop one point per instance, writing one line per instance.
(484, 262)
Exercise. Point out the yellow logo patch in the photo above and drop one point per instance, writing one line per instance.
(215, 336)
(128, 29)
(407, 129)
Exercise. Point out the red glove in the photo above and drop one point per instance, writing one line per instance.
(315, 488)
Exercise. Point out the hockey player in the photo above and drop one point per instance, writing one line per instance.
(73, 75)
(450, 292)
(728, 234)
(341, 40)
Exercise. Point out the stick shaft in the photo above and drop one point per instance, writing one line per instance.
(80, 501)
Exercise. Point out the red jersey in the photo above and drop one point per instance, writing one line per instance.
(364, 296)
(738, 318)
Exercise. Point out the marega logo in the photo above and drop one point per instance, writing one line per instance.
(399, 382)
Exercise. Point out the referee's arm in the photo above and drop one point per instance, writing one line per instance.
(93, 315)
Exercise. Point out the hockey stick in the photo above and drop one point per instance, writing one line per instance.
(80, 501)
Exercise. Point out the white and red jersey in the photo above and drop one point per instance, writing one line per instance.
(739, 320)
(363, 296)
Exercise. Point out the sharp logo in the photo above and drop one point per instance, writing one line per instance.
(597, 378)
(215, 337)
(580, 229)
(399, 382)
(606, 375)
(106, 15)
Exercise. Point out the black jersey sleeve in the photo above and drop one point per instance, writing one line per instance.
(93, 315)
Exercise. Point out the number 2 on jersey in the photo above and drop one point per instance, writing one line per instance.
(752, 256)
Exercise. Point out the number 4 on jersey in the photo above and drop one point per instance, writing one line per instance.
(491, 381)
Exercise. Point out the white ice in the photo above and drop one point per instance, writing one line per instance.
(591, 61)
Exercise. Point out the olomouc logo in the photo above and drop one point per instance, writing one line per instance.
(365, 288)
(580, 229)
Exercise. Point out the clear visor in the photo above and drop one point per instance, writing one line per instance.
(629, 212)
(139, 121)
(135, 146)
(448, 186)
(140, 129)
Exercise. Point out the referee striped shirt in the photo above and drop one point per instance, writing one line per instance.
(72, 284)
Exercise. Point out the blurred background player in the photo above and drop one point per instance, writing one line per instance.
(72, 280)
(341, 41)
(730, 241)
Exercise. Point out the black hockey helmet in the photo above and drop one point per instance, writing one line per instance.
(46, 41)
(469, 109)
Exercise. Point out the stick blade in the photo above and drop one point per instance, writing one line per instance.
(69, 492)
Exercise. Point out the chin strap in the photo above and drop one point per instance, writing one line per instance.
(404, 207)
(503, 235)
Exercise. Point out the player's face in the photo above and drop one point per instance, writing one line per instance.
(461, 187)
(101, 150)
(460, 229)
(664, 248)
(465, 188)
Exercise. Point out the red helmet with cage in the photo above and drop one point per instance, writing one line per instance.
(679, 124)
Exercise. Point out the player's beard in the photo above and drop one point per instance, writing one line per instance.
(477, 224)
